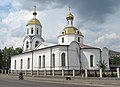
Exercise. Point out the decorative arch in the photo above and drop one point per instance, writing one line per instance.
(15, 64)
(21, 64)
(63, 59)
(91, 60)
(53, 60)
(28, 63)
(27, 44)
(36, 43)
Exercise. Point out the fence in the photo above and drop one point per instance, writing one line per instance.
(82, 73)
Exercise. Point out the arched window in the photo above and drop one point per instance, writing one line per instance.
(28, 63)
(78, 39)
(39, 61)
(36, 43)
(21, 64)
(27, 44)
(37, 31)
(43, 61)
(32, 30)
(15, 65)
(53, 60)
(63, 59)
(62, 40)
(91, 60)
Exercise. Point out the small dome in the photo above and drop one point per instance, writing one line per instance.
(71, 30)
(34, 21)
(70, 16)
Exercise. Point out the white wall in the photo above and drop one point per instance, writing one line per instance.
(85, 55)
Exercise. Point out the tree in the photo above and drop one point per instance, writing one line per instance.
(102, 65)
(115, 60)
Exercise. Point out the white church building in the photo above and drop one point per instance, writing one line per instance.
(70, 52)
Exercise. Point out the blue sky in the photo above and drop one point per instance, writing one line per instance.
(98, 20)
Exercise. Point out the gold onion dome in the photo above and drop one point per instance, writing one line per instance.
(71, 30)
(34, 21)
(70, 16)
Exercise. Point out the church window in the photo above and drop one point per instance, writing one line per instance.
(27, 44)
(39, 61)
(15, 65)
(43, 61)
(91, 60)
(31, 30)
(63, 32)
(37, 31)
(36, 43)
(28, 63)
(78, 39)
(53, 60)
(21, 64)
(78, 32)
(63, 59)
(62, 40)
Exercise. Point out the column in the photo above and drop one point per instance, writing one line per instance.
(25, 72)
(2, 71)
(118, 73)
(62, 72)
(8, 72)
(5, 71)
(37, 72)
(53, 72)
(86, 74)
(73, 72)
(100, 73)
(45, 72)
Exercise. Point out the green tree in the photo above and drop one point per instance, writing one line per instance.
(102, 65)
(115, 60)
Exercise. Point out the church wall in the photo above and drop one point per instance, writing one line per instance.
(18, 58)
(85, 57)
(105, 57)
(74, 55)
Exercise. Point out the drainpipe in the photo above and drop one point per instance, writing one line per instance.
(32, 64)
(50, 60)
(68, 59)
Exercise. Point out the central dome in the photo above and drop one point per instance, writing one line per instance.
(71, 30)
(33, 21)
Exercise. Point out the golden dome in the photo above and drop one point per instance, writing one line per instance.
(70, 16)
(71, 30)
(34, 21)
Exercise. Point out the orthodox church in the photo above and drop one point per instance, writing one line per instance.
(70, 52)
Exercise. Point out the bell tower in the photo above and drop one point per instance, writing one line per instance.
(70, 33)
(33, 33)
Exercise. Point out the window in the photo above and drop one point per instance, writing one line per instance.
(53, 60)
(36, 43)
(62, 40)
(91, 60)
(27, 44)
(21, 64)
(28, 63)
(63, 59)
(63, 32)
(39, 61)
(37, 31)
(43, 61)
(31, 30)
(78, 39)
(15, 65)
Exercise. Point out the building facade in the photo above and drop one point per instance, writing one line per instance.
(70, 52)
